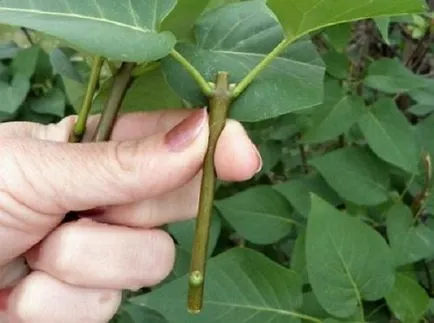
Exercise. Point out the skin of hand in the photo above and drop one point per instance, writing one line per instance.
(147, 175)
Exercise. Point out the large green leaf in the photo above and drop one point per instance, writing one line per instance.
(329, 121)
(297, 192)
(407, 300)
(301, 17)
(121, 30)
(391, 76)
(241, 286)
(181, 20)
(235, 38)
(132, 313)
(259, 214)
(347, 261)
(390, 136)
(150, 92)
(409, 242)
(355, 174)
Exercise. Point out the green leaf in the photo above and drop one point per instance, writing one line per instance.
(259, 214)
(297, 192)
(25, 61)
(347, 261)
(301, 17)
(52, 103)
(13, 95)
(425, 132)
(63, 66)
(132, 313)
(181, 20)
(298, 257)
(329, 121)
(337, 64)
(184, 233)
(312, 307)
(119, 31)
(383, 24)
(391, 76)
(407, 300)
(390, 135)
(421, 110)
(355, 174)
(150, 92)
(410, 242)
(242, 285)
(181, 266)
(271, 153)
(339, 35)
(235, 38)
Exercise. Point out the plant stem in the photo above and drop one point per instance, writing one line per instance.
(219, 103)
(80, 125)
(203, 84)
(245, 82)
(114, 101)
(419, 200)
(28, 36)
(303, 155)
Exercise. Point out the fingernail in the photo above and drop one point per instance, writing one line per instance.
(184, 133)
(92, 213)
(260, 162)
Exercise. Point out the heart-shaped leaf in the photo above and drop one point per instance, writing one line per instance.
(242, 285)
(347, 261)
(301, 17)
(409, 242)
(260, 214)
(120, 30)
(235, 38)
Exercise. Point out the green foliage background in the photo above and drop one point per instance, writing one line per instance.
(338, 226)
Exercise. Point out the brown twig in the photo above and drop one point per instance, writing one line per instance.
(114, 102)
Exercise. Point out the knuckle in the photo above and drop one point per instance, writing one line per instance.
(123, 154)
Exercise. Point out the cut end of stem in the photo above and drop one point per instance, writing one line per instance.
(195, 292)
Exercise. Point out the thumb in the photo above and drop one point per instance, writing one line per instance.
(54, 178)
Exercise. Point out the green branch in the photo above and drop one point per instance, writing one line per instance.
(203, 84)
(80, 125)
(245, 82)
(114, 102)
(219, 103)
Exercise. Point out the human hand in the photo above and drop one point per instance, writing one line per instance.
(123, 189)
